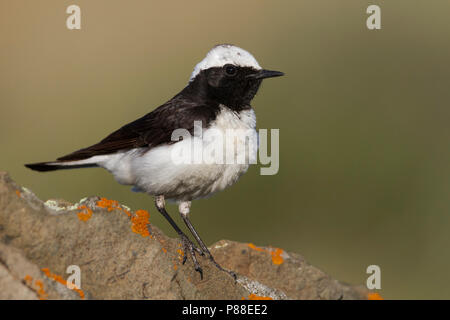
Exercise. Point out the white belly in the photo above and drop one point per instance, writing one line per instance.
(155, 172)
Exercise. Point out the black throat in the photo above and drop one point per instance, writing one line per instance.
(213, 87)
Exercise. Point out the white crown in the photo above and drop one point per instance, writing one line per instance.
(224, 54)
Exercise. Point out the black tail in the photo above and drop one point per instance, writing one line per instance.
(51, 166)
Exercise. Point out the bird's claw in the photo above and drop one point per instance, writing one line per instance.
(190, 248)
(218, 266)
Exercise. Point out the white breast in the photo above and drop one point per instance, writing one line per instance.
(155, 173)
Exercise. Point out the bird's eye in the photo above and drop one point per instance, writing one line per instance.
(230, 69)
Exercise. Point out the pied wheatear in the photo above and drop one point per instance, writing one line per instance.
(141, 153)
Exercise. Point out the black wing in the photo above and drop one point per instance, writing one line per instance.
(153, 129)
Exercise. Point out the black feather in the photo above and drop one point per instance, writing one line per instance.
(47, 166)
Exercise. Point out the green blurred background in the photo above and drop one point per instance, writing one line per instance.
(363, 118)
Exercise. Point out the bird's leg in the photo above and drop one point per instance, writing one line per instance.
(188, 246)
(184, 209)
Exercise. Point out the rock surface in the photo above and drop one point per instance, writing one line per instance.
(119, 259)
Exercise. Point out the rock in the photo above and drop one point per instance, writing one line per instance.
(22, 279)
(119, 259)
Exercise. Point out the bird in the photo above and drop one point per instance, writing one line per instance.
(142, 153)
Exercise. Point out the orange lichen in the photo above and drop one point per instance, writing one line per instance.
(252, 246)
(85, 214)
(175, 259)
(28, 279)
(128, 213)
(111, 205)
(276, 256)
(253, 296)
(140, 220)
(18, 193)
(41, 292)
(38, 287)
(274, 252)
(61, 280)
(140, 223)
(180, 255)
(374, 296)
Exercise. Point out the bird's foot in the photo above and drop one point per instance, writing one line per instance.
(190, 248)
(218, 266)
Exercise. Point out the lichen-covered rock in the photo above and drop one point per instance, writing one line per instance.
(120, 259)
(20, 279)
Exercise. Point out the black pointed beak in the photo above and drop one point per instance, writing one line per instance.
(263, 74)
